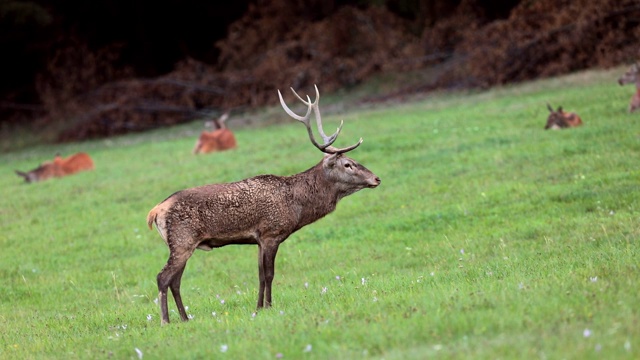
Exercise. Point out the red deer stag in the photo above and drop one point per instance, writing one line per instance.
(560, 119)
(59, 167)
(631, 77)
(219, 139)
(263, 210)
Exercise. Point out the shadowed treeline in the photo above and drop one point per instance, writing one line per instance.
(84, 77)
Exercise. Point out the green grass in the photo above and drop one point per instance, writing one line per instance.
(489, 238)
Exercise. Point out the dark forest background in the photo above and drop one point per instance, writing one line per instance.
(90, 69)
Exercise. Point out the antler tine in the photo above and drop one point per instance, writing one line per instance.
(328, 140)
(303, 119)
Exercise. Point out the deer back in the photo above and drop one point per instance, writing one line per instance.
(73, 164)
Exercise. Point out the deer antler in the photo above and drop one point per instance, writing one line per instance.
(327, 140)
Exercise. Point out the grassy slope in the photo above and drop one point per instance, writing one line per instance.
(488, 238)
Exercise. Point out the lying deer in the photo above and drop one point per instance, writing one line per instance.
(560, 119)
(219, 139)
(631, 77)
(59, 167)
(262, 210)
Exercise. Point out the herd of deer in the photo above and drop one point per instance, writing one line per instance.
(263, 210)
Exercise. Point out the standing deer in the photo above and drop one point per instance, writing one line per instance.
(263, 210)
(560, 119)
(631, 77)
(219, 139)
(59, 167)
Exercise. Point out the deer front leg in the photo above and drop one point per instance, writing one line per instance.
(266, 271)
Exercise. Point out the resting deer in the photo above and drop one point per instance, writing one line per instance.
(631, 77)
(560, 119)
(219, 139)
(262, 210)
(59, 167)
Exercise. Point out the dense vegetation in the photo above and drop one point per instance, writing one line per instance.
(82, 77)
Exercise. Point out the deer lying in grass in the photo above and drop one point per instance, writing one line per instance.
(262, 210)
(59, 167)
(219, 139)
(560, 119)
(631, 77)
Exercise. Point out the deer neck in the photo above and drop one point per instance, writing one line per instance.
(314, 195)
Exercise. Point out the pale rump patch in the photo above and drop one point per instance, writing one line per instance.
(157, 215)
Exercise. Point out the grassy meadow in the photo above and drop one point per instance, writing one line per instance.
(489, 238)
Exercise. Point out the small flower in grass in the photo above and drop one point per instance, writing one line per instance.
(224, 348)
(462, 251)
(627, 345)
(324, 290)
(338, 277)
(306, 285)
(155, 301)
(149, 317)
(521, 286)
(307, 348)
(593, 279)
(214, 314)
(253, 314)
(279, 356)
(190, 317)
(139, 352)
(586, 333)
(222, 301)
(363, 281)
(281, 312)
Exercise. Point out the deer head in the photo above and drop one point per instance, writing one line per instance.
(341, 170)
(631, 76)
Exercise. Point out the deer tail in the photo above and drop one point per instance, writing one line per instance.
(151, 218)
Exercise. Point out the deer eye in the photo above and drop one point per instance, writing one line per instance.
(347, 165)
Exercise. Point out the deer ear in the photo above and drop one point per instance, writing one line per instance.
(20, 173)
(330, 160)
(549, 107)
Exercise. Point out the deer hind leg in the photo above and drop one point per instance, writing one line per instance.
(175, 290)
(170, 276)
(266, 271)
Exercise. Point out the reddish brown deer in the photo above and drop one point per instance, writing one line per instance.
(631, 77)
(218, 139)
(262, 210)
(59, 167)
(560, 119)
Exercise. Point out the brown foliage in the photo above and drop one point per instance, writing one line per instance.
(283, 43)
(550, 37)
